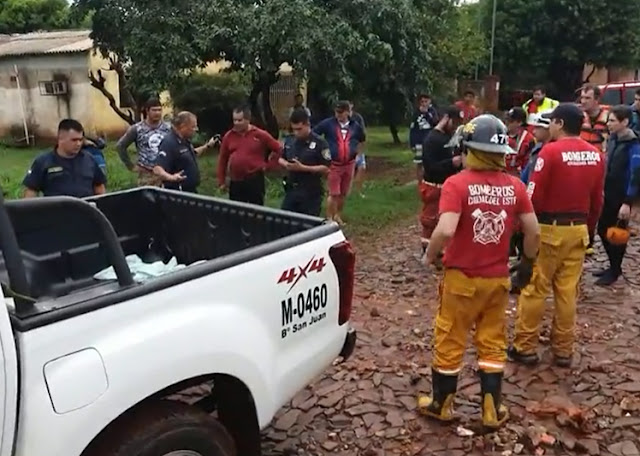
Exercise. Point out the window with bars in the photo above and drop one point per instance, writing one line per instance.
(53, 88)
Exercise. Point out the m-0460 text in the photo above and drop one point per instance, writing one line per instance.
(303, 309)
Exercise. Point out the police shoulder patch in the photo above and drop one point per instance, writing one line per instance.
(326, 154)
(54, 169)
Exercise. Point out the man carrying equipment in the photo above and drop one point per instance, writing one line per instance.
(478, 208)
(566, 189)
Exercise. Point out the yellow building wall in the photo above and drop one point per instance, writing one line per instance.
(103, 119)
(281, 100)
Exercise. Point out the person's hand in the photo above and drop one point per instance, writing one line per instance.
(625, 212)
(295, 165)
(223, 188)
(177, 177)
(457, 161)
(523, 273)
(212, 141)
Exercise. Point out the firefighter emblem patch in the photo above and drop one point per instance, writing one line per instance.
(488, 226)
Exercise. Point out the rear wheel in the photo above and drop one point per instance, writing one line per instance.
(166, 428)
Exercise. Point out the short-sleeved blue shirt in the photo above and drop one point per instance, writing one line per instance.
(177, 154)
(54, 175)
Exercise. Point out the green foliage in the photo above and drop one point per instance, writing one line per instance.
(386, 201)
(211, 98)
(23, 16)
(552, 40)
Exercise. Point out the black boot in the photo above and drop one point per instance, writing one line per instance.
(440, 404)
(608, 278)
(601, 272)
(522, 358)
(494, 413)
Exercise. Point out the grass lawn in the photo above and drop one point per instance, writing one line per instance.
(388, 195)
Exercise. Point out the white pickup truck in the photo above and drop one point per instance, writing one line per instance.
(90, 367)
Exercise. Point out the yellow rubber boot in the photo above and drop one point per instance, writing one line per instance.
(494, 413)
(440, 405)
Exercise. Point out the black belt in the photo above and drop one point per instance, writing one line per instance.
(562, 218)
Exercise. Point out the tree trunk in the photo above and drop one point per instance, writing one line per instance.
(391, 101)
(260, 101)
(567, 78)
(98, 81)
(393, 128)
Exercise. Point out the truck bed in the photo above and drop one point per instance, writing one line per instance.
(63, 246)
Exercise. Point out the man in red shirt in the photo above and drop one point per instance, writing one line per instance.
(467, 105)
(566, 189)
(478, 207)
(244, 151)
(520, 140)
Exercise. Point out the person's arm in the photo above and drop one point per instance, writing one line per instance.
(413, 133)
(321, 128)
(528, 221)
(164, 161)
(99, 179)
(123, 143)
(273, 145)
(34, 179)
(633, 172)
(597, 199)
(430, 160)
(223, 161)
(540, 178)
(450, 210)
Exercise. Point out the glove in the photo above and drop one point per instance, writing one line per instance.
(523, 273)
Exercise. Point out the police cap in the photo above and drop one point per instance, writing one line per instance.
(486, 133)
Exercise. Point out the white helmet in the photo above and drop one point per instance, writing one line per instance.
(541, 119)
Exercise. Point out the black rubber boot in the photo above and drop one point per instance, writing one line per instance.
(521, 358)
(494, 413)
(440, 404)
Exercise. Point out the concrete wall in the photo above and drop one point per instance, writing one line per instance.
(103, 120)
(605, 75)
(43, 112)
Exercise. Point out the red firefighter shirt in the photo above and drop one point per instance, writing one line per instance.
(569, 178)
(523, 143)
(489, 202)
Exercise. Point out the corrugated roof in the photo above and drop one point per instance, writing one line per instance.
(40, 43)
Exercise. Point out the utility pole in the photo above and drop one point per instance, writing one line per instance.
(493, 35)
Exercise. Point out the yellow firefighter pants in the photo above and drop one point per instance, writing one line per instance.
(465, 302)
(558, 268)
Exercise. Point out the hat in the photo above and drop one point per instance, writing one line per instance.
(486, 133)
(541, 119)
(567, 112)
(517, 114)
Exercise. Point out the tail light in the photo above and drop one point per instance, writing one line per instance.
(344, 260)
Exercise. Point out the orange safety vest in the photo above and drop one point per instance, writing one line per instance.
(597, 132)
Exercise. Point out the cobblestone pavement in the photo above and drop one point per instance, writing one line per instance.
(366, 406)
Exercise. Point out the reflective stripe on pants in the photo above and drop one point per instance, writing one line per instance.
(558, 268)
(464, 303)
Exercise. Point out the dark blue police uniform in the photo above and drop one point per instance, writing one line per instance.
(177, 154)
(54, 175)
(304, 190)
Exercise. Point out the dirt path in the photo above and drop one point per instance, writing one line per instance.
(367, 406)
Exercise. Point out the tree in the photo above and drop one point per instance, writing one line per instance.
(538, 41)
(405, 47)
(159, 42)
(23, 16)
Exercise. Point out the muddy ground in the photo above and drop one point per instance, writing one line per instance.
(366, 406)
